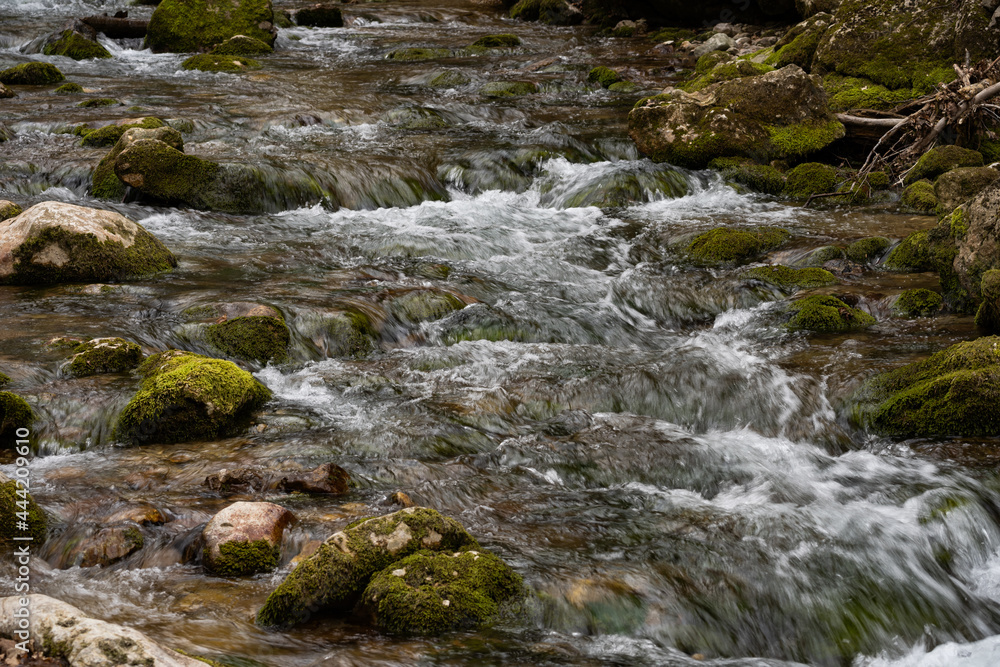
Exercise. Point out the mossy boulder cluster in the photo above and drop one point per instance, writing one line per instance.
(245, 538)
(184, 26)
(186, 396)
(414, 571)
(110, 134)
(55, 242)
(104, 355)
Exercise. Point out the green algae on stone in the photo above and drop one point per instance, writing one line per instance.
(917, 303)
(848, 93)
(920, 197)
(253, 338)
(726, 71)
(186, 396)
(503, 41)
(710, 61)
(508, 89)
(938, 160)
(74, 45)
(213, 62)
(349, 333)
(240, 558)
(912, 254)
(416, 54)
(729, 245)
(15, 413)
(69, 89)
(415, 118)
(798, 45)
(4, 379)
(99, 102)
(110, 134)
(31, 74)
(432, 593)
(810, 178)
(336, 575)
(184, 26)
(9, 209)
(827, 314)
(788, 278)
(13, 501)
(865, 250)
(952, 393)
(241, 45)
(104, 355)
(604, 76)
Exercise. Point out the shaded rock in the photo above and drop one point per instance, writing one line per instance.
(12, 499)
(868, 249)
(325, 15)
(788, 278)
(976, 226)
(110, 134)
(424, 305)
(335, 577)
(105, 184)
(186, 396)
(826, 314)
(75, 45)
(758, 177)
(241, 480)
(184, 26)
(54, 242)
(6, 93)
(449, 79)
(105, 547)
(810, 178)
(920, 197)
(9, 209)
(67, 633)
(327, 478)
(504, 41)
(798, 45)
(957, 186)
(917, 303)
(728, 245)
(31, 74)
(104, 355)
(241, 45)
(938, 160)
(988, 315)
(605, 76)
(555, 12)
(245, 538)
(717, 42)
(212, 62)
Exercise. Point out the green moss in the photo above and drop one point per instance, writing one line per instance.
(429, 594)
(74, 45)
(350, 333)
(9, 209)
(624, 87)
(186, 396)
(917, 303)
(508, 89)
(99, 102)
(252, 338)
(798, 46)
(31, 74)
(15, 413)
(820, 256)
(10, 496)
(912, 254)
(546, 11)
(757, 177)
(709, 61)
(415, 118)
(449, 79)
(938, 160)
(802, 139)
(4, 380)
(604, 76)
(104, 355)
(848, 93)
(988, 314)
(726, 245)
(868, 249)
(726, 71)
(673, 35)
(237, 559)
(69, 89)
(415, 54)
(498, 41)
(827, 314)
(920, 197)
(105, 184)
(954, 392)
(110, 134)
(957, 186)
(424, 305)
(809, 179)
(212, 62)
(788, 278)
(241, 45)
(194, 25)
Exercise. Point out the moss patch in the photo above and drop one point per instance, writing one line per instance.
(241, 45)
(758, 177)
(110, 134)
(788, 278)
(253, 338)
(69, 89)
(15, 413)
(920, 197)
(238, 559)
(868, 249)
(504, 41)
(104, 355)
(938, 160)
(9, 209)
(727, 245)
(99, 102)
(320, 16)
(604, 76)
(827, 314)
(193, 25)
(848, 92)
(809, 179)
(917, 303)
(31, 74)
(74, 45)
(415, 54)
(14, 501)
(213, 62)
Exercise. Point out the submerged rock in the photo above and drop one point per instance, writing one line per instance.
(31, 74)
(75, 45)
(424, 305)
(186, 396)
(6, 93)
(504, 41)
(245, 538)
(326, 479)
(334, 578)
(105, 547)
(827, 314)
(12, 502)
(729, 245)
(508, 89)
(54, 242)
(183, 26)
(417, 53)
(104, 355)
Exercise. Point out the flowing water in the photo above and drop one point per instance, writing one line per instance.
(671, 471)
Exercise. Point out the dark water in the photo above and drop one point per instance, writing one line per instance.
(667, 467)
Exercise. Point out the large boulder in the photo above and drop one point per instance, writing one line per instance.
(55, 242)
(105, 184)
(183, 26)
(186, 396)
(61, 631)
(781, 114)
(245, 538)
(248, 331)
(336, 575)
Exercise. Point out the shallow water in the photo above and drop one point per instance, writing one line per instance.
(670, 470)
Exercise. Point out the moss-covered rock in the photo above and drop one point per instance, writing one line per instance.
(336, 575)
(104, 355)
(957, 186)
(415, 118)
(105, 184)
(788, 278)
(432, 593)
(976, 226)
(988, 315)
(868, 249)
(826, 314)
(726, 71)
(730, 245)
(183, 26)
(245, 538)
(110, 134)
(938, 160)
(952, 393)
(324, 15)
(810, 178)
(4, 380)
(213, 62)
(349, 333)
(504, 41)
(416, 54)
(108, 545)
(241, 45)
(848, 93)
(14, 501)
(798, 45)
(15, 413)
(920, 197)
(186, 396)
(508, 89)
(9, 209)
(449, 79)
(75, 45)
(711, 60)
(917, 303)
(555, 12)
(424, 305)
(605, 76)
(99, 102)
(69, 89)
(253, 338)
(6, 93)
(54, 242)
(31, 74)
(820, 256)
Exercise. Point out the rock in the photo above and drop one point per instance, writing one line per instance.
(808, 8)
(868, 249)
(106, 547)
(345, 333)
(936, 250)
(75, 45)
(334, 578)
(12, 499)
(952, 393)
(9, 209)
(424, 305)
(938, 160)
(241, 45)
(211, 62)
(6, 134)
(758, 177)
(604, 76)
(415, 118)
(788, 278)
(976, 226)
(327, 478)
(449, 79)
(429, 594)
(508, 89)
(183, 26)
(416, 54)
(958, 186)
(826, 314)
(105, 183)
(724, 70)
(633, 28)
(556, 12)
(717, 42)
(104, 355)
(99, 102)
(31, 74)
(810, 178)
(988, 315)
(777, 115)
(727, 245)
(820, 256)
(54, 242)
(186, 396)
(401, 499)
(798, 45)
(320, 16)
(241, 480)
(110, 134)
(6, 93)
(917, 303)
(4, 380)
(245, 538)
(69, 89)
(249, 331)
(504, 41)
(143, 515)
(65, 632)
(920, 197)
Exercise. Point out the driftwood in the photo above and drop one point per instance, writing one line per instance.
(116, 27)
